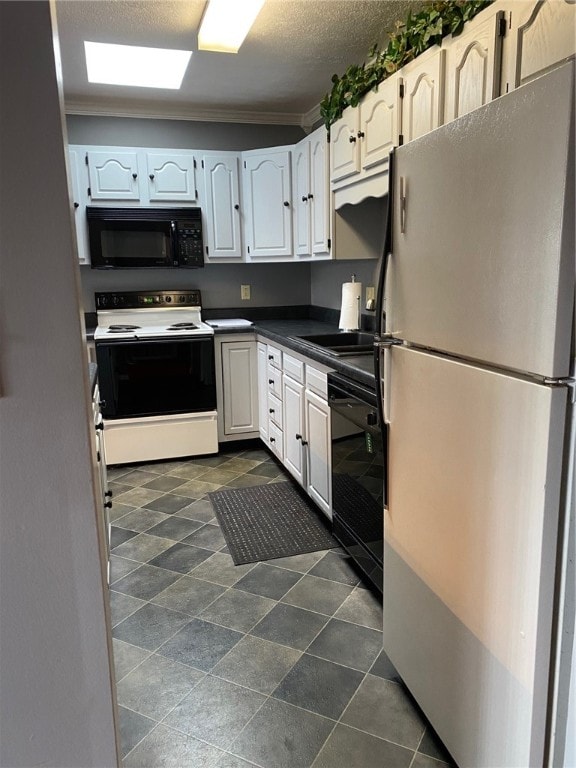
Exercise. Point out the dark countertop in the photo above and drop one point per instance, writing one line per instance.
(360, 368)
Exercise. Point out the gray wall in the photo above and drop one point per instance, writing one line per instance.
(326, 278)
(177, 134)
(271, 284)
(56, 689)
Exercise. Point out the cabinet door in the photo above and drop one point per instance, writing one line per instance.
(473, 66)
(268, 196)
(344, 145)
(293, 397)
(541, 35)
(318, 197)
(380, 115)
(422, 106)
(113, 175)
(240, 385)
(318, 478)
(78, 195)
(222, 206)
(263, 391)
(302, 201)
(171, 177)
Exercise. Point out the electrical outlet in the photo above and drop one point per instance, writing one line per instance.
(245, 292)
(370, 292)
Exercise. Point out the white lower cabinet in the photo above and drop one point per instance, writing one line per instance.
(294, 440)
(295, 419)
(236, 387)
(104, 493)
(318, 451)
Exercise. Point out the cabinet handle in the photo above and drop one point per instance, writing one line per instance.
(151, 177)
(236, 207)
(270, 381)
(361, 134)
(304, 199)
(108, 505)
(272, 439)
(352, 139)
(286, 203)
(134, 175)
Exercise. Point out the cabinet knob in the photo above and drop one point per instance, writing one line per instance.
(99, 426)
(270, 410)
(108, 493)
(352, 139)
(76, 205)
(134, 175)
(298, 437)
(304, 199)
(151, 177)
(310, 196)
(270, 381)
(270, 357)
(102, 403)
(286, 203)
(108, 505)
(304, 442)
(360, 134)
(272, 439)
(236, 207)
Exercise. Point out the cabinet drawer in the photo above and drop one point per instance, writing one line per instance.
(274, 381)
(276, 441)
(293, 368)
(274, 357)
(275, 410)
(316, 381)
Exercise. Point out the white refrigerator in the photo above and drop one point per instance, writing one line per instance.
(477, 390)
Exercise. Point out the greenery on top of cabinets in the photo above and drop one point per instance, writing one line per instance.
(420, 31)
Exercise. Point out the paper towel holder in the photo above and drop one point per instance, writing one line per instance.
(358, 311)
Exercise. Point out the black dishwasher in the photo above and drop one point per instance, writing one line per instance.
(358, 474)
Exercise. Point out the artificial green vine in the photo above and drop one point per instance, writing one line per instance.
(419, 32)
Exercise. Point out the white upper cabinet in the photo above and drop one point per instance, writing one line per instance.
(541, 33)
(344, 145)
(171, 177)
(113, 175)
(267, 194)
(78, 191)
(310, 199)
(473, 61)
(423, 102)
(360, 143)
(222, 208)
(380, 115)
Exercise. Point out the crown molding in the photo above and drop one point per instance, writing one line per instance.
(159, 112)
(311, 118)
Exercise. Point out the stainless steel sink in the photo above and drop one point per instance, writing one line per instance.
(345, 343)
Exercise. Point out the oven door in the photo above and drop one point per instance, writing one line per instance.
(358, 469)
(154, 377)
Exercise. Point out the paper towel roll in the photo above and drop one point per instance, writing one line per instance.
(350, 309)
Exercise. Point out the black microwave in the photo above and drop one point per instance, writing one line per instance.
(140, 238)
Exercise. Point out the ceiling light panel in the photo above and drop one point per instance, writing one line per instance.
(135, 65)
(226, 23)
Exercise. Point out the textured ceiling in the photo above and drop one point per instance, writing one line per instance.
(282, 71)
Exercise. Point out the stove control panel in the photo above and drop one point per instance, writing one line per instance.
(143, 299)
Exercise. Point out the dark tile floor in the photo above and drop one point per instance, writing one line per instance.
(276, 664)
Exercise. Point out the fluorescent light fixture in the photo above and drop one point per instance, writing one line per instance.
(226, 23)
(135, 65)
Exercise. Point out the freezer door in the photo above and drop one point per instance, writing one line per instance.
(482, 259)
(470, 550)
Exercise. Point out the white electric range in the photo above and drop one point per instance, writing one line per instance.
(156, 374)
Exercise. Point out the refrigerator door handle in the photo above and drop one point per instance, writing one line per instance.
(402, 182)
(384, 346)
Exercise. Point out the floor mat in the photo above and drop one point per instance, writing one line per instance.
(268, 521)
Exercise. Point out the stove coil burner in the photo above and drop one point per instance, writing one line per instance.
(182, 327)
(122, 328)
